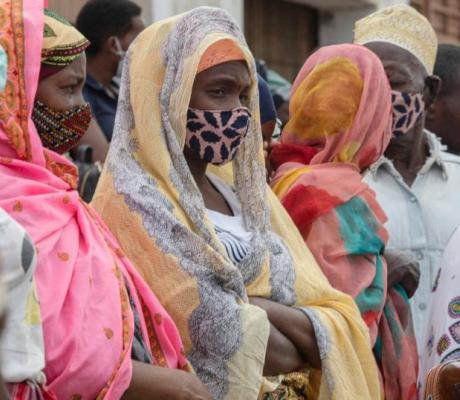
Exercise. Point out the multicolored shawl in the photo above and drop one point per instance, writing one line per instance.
(340, 115)
(62, 44)
(149, 198)
(82, 276)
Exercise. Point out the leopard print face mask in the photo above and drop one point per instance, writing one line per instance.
(214, 136)
(407, 109)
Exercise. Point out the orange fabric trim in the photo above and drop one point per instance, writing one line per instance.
(220, 52)
(14, 113)
(68, 173)
(126, 331)
(157, 352)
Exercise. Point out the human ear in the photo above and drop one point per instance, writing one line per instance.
(112, 44)
(432, 88)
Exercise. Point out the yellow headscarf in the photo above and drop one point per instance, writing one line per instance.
(150, 201)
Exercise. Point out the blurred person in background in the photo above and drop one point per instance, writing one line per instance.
(443, 117)
(110, 26)
(269, 121)
(416, 182)
(280, 88)
(442, 336)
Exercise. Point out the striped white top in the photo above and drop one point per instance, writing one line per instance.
(230, 229)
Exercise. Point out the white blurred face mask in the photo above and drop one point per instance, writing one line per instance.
(120, 53)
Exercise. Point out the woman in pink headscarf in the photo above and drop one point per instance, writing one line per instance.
(340, 123)
(105, 335)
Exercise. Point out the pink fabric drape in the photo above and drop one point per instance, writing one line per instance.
(82, 275)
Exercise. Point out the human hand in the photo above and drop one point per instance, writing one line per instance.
(402, 269)
(295, 326)
(188, 387)
(158, 383)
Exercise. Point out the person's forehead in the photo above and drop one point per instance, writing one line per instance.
(393, 56)
(76, 70)
(236, 70)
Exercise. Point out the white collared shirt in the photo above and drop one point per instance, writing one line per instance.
(421, 218)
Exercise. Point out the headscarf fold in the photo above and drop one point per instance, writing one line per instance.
(82, 276)
(62, 44)
(340, 114)
(150, 200)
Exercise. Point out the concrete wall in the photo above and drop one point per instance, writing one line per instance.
(70, 8)
(336, 26)
(166, 8)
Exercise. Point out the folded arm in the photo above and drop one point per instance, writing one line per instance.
(149, 381)
(295, 326)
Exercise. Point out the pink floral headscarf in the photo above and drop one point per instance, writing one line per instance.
(83, 279)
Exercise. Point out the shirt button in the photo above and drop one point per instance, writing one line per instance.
(422, 306)
(419, 255)
(413, 199)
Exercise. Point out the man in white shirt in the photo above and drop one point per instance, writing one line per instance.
(417, 182)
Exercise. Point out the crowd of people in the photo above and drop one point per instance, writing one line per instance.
(169, 231)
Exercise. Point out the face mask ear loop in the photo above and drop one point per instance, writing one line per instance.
(119, 52)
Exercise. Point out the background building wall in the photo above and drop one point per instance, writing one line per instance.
(445, 17)
(285, 32)
(70, 8)
(166, 8)
(336, 25)
(281, 33)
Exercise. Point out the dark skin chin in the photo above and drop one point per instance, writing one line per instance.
(407, 74)
(443, 117)
(292, 343)
(103, 65)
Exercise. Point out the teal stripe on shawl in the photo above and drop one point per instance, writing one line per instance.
(393, 323)
(359, 231)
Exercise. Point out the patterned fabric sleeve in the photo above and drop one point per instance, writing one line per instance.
(21, 345)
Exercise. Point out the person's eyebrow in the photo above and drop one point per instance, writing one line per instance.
(223, 77)
(228, 79)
